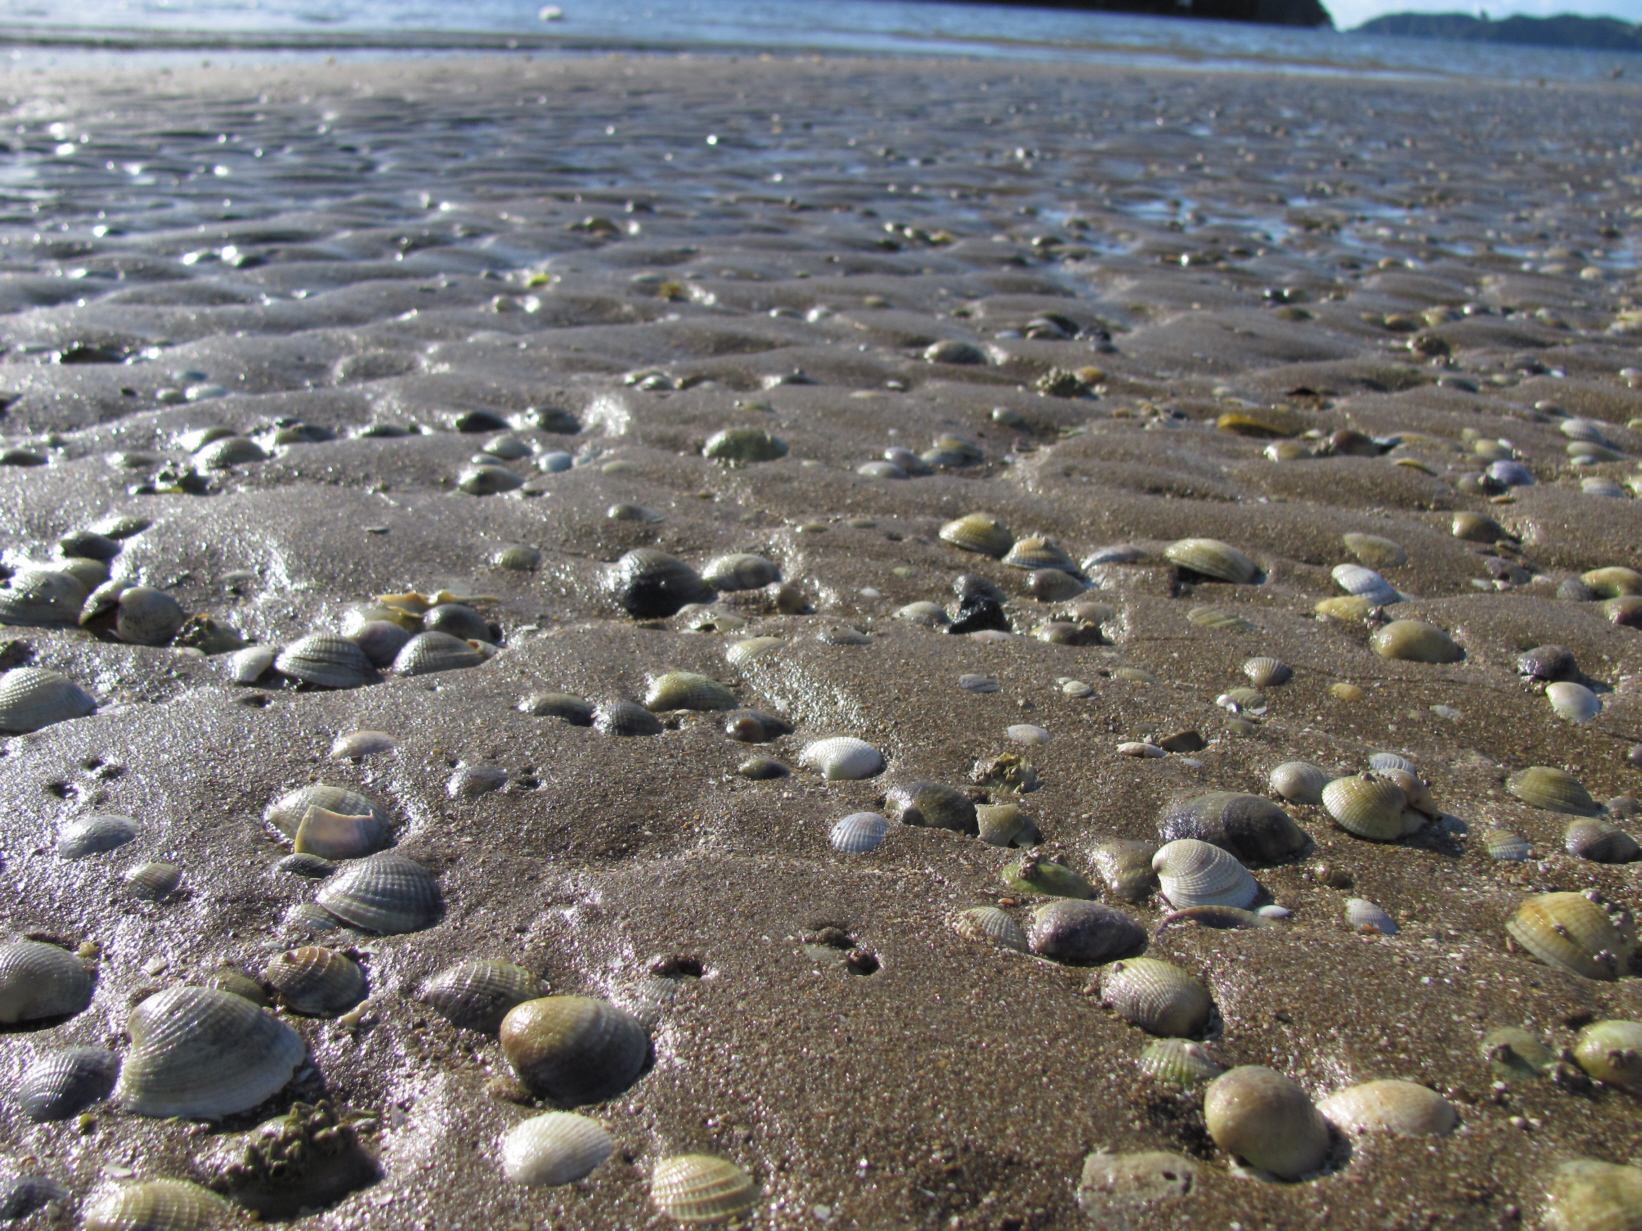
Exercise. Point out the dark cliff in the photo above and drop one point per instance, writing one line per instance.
(1265, 12)
(1600, 33)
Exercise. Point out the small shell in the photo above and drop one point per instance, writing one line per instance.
(146, 616)
(574, 1049)
(1083, 933)
(1178, 1062)
(1613, 582)
(701, 1188)
(1590, 1195)
(1505, 844)
(23, 1195)
(740, 571)
(158, 1205)
(1415, 641)
(1139, 748)
(1194, 873)
(1222, 619)
(518, 557)
(477, 994)
(1052, 585)
(334, 835)
(1385, 761)
(755, 727)
(1300, 782)
(843, 757)
(1579, 933)
(1368, 805)
(1611, 1052)
(687, 690)
(1125, 866)
(1402, 1107)
(762, 769)
(1417, 792)
(152, 882)
(1212, 559)
(858, 833)
(32, 698)
(557, 1148)
(1268, 672)
(60, 1084)
(288, 812)
(1112, 1185)
(41, 596)
(1515, 1055)
(988, 923)
(329, 660)
(574, 710)
(1116, 553)
(459, 620)
(487, 479)
(1157, 996)
(933, 805)
(1027, 733)
(1374, 551)
(1039, 552)
(744, 445)
(981, 533)
(1365, 916)
(653, 585)
(925, 613)
(1005, 825)
(1048, 878)
(380, 640)
(356, 744)
(249, 665)
(386, 893)
(1366, 584)
(740, 653)
(1547, 662)
(1600, 841)
(1250, 827)
(1573, 701)
(38, 980)
(311, 866)
(92, 835)
(427, 653)
(316, 981)
(1266, 1119)
(625, 719)
(1553, 789)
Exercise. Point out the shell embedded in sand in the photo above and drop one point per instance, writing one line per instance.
(843, 757)
(559, 1147)
(1267, 1120)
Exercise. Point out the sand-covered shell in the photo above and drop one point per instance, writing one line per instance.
(842, 757)
(1212, 559)
(153, 881)
(1194, 873)
(1300, 782)
(1555, 790)
(1267, 1120)
(1504, 844)
(1083, 933)
(201, 1053)
(740, 571)
(1611, 1052)
(1005, 824)
(1157, 996)
(933, 805)
(1250, 827)
(1600, 841)
(33, 697)
(1111, 1187)
(701, 1188)
(1364, 915)
(858, 833)
(1374, 551)
(574, 1049)
(1267, 672)
(755, 727)
(577, 711)
(94, 834)
(287, 813)
(1046, 877)
(146, 616)
(1125, 868)
(1415, 641)
(316, 981)
(740, 653)
(1036, 552)
(60, 1084)
(559, 1147)
(1573, 701)
(477, 994)
(41, 596)
(687, 690)
(356, 744)
(625, 719)
(38, 981)
(982, 533)
(652, 585)
(926, 613)
(329, 660)
(385, 893)
(1577, 932)
(1402, 1107)
(988, 923)
(744, 444)
(1367, 805)
(158, 1205)
(1612, 582)
(1178, 1062)
(427, 653)
(1547, 662)
(1516, 1055)
(1366, 584)
(1588, 1194)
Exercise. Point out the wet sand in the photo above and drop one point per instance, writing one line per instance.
(667, 248)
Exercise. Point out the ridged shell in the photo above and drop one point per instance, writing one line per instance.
(477, 994)
(333, 835)
(386, 893)
(60, 1084)
(1263, 1117)
(1366, 584)
(426, 653)
(1250, 827)
(92, 835)
(625, 719)
(1611, 1052)
(1300, 782)
(687, 690)
(1573, 701)
(1590, 1195)
(152, 882)
(1222, 619)
(988, 923)
(933, 805)
(201, 1053)
(317, 981)
(1194, 873)
(1374, 551)
(38, 980)
(574, 1049)
(356, 744)
(1368, 805)
(1046, 877)
(1178, 1062)
(1039, 552)
(1402, 1107)
(858, 833)
(1575, 932)
(982, 533)
(158, 1205)
(32, 698)
(287, 813)
(1083, 933)
(329, 660)
(41, 596)
(653, 585)
(1268, 672)
(1385, 761)
(557, 1148)
(1505, 844)
(380, 640)
(701, 1188)
(574, 710)
(1415, 641)
(740, 653)
(1125, 867)
(1600, 841)
(1213, 559)
(1157, 996)
(740, 571)
(1364, 915)
(1553, 789)
(842, 757)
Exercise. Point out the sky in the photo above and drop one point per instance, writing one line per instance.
(1348, 13)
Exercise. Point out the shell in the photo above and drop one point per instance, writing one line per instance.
(701, 1188)
(518, 557)
(1111, 1185)
(329, 660)
(755, 727)
(933, 805)
(307, 865)
(152, 882)
(1611, 1052)
(1157, 996)
(1300, 782)
(745, 445)
(249, 665)
(1553, 789)
(1268, 672)
(25, 1194)
(1194, 873)
(38, 980)
(507, 446)
(32, 698)
(146, 616)
(1579, 933)
(1374, 551)
(842, 757)
(1125, 866)
(487, 479)
(1039, 552)
(1590, 1195)
(574, 1049)
(427, 653)
(1046, 877)
(982, 533)
(1005, 825)
(1415, 641)
(574, 710)
(477, 994)
(1178, 1062)
(1083, 933)
(1266, 1119)
(226, 452)
(386, 893)
(1573, 701)
(625, 719)
(740, 571)
(557, 1148)
(1613, 582)
(858, 833)
(1212, 559)
(356, 744)
(653, 585)
(60, 1084)
(1115, 553)
(988, 923)
(925, 613)
(158, 1205)
(1052, 585)
(1222, 619)
(687, 690)
(1547, 662)
(287, 813)
(1368, 805)
(120, 526)
(1417, 792)
(381, 640)
(469, 782)
(1384, 761)
(334, 835)
(41, 596)
(1600, 841)
(1505, 844)
(740, 653)
(1515, 1055)
(1250, 827)
(1402, 1107)
(92, 835)
(201, 1053)
(316, 981)
(1365, 916)
(1366, 584)
(457, 619)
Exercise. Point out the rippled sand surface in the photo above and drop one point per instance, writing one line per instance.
(666, 248)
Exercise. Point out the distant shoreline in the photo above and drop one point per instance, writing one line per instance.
(1566, 30)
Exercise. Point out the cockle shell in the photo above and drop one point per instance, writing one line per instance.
(858, 833)
(92, 835)
(1612, 582)
(477, 994)
(1212, 559)
(1178, 1062)
(1266, 1119)
(1553, 789)
(1505, 844)
(1267, 672)
(1415, 641)
(701, 1188)
(1364, 915)
(933, 805)
(687, 690)
(329, 660)
(925, 613)
(1366, 584)
(1083, 933)
(1368, 805)
(1157, 996)
(287, 813)
(144, 615)
(1046, 877)
(249, 665)
(1194, 873)
(427, 653)
(60, 1084)
(1374, 551)
(625, 719)
(1052, 585)
(1577, 932)
(740, 653)
(316, 981)
(1383, 761)
(1250, 827)
(740, 571)
(333, 835)
(557, 1148)
(1611, 1052)
(574, 1049)
(1125, 867)
(1402, 1107)
(988, 923)
(152, 882)
(842, 757)
(32, 698)
(1039, 552)
(653, 585)
(356, 744)
(1573, 701)
(158, 1205)
(41, 596)
(982, 533)
(1590, 1195)
(1600, 841)
(459, 621)
(1300, 782)
(574, 710)
(744, 445)
(385, 893)
(38, 980)
(380, 640)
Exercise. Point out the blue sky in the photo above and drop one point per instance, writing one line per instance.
(1348, 13)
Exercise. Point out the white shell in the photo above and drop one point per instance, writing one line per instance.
(1027, 733)
(1383, 761)
(1573, 701)
(362, 744)
(557, 1148)
(843, 757)
(249, 665)
(1584, 429)
(1365, 583)
(1194, 873)
(1403, 1107)
(859, 832)
(1361, 914)
(32, 697)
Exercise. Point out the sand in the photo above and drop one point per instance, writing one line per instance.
(664, 248)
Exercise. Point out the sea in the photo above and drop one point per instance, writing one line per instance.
(35, 35)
